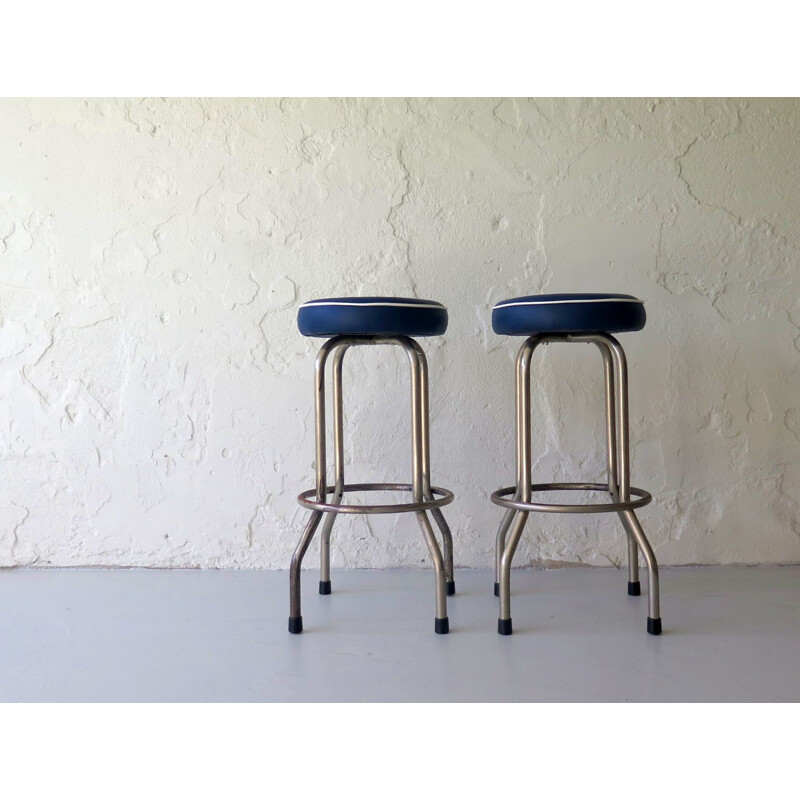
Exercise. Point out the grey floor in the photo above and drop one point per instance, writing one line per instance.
(148, 635)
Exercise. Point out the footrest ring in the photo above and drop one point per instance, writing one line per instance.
(501, 498)
(306, 499)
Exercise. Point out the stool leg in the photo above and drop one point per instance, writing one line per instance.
(505, 523)
(500, 544)
(634, 587)
(442, 623)
(523, 428)
(504, 621)
(338, 455)
(630, 520)
(447, 542)
(419, 482)
(295, 614)
(653, 598)
(438, 516)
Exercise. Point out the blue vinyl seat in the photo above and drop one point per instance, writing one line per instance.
(372, 316)
(568, 313)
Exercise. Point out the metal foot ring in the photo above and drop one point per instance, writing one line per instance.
(305, 499)
(501, 498)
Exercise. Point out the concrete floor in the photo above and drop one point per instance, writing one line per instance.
(148, 635)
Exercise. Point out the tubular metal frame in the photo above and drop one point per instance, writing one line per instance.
(424, 496)
(618, 472)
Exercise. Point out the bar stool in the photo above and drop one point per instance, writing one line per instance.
(352, 322)
(588, 318)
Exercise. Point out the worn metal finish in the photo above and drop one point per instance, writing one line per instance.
(624, 497)
(424, 496)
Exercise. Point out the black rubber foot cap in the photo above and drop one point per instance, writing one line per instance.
(497, 590)
(324, 587)
(634, 588)
(442, 625)
(654, 626)
(504, 627)
(451, 588)
(295, 624)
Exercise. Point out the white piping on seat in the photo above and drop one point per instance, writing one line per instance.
(315, 303)
(565, 302)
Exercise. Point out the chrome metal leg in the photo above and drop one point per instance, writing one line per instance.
(419, 469)
(441, 622)
(338, 456)
(438, 516)
(634, 587)
(295, 614)
(523, 429)
(447, 545)
(500, 545)
(505, 523)
(653, 592)
(504, 620)
(632, 525)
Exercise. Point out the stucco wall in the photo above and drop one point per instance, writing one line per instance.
(157, 398)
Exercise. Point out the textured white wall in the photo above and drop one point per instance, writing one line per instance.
(157, 398)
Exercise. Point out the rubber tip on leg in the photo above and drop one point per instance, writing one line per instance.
(324, 587)
(504, 627)
(451, 588)
(654, 626)
(442, 625)
(295, 624)
(634, 588)
(497, 590)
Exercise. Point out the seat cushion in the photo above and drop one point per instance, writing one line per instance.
(363, 316)
(568, 313)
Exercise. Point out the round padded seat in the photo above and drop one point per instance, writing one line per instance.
(568, 313)
(372, 316)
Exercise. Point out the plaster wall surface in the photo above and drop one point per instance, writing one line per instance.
(157, 404)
